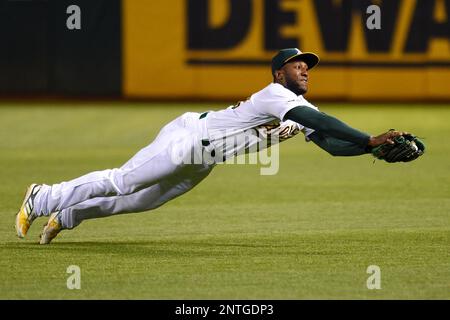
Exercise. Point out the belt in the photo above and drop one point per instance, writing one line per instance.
(203, 115)
(205, 142)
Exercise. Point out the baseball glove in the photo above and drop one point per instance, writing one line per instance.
(405, 148)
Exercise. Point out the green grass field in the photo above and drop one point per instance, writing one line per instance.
(309, 232)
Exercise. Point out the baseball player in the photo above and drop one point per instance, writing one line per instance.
(165, 169)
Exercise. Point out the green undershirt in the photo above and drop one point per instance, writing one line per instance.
(337, 147)
(331, 134)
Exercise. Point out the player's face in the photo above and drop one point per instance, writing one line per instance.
(295, 77)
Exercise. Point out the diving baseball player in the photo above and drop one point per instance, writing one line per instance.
(166, 168)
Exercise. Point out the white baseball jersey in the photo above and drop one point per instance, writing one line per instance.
(259, 117)
(152, 177)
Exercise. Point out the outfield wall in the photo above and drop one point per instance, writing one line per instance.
(40, 55)
(221, 49)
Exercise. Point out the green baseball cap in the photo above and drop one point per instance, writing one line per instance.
(285, 55)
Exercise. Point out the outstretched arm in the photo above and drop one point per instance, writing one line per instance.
(332, 127)
(337, 147)
(326, 124)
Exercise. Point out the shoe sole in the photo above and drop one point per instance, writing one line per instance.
(27, 195)
(44, 239)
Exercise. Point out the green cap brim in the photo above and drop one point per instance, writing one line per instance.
(311, 59)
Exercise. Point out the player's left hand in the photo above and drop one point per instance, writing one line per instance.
(387, 137)
(403, 147)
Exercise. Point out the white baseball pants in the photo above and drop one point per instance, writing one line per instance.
(156, 174)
